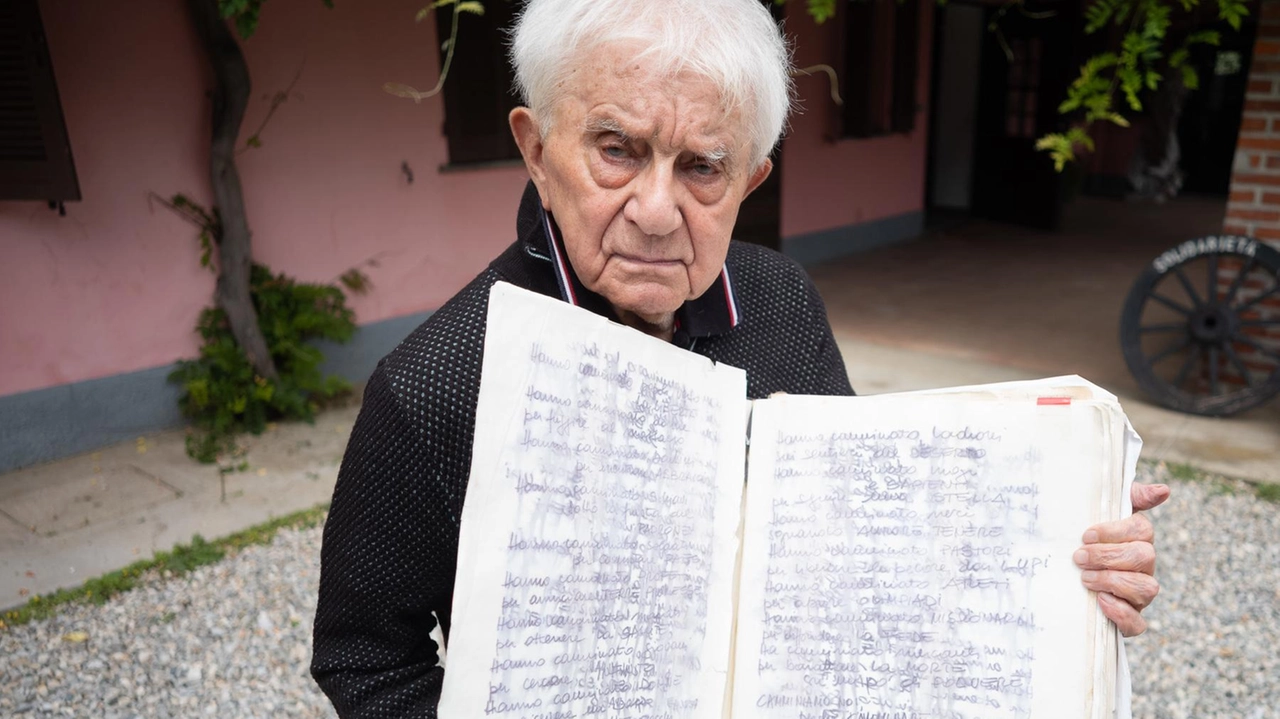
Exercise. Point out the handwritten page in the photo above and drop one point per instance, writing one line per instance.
(598, 541)
(911, 557)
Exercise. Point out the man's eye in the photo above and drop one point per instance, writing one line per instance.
(615, 151)
(705, 169)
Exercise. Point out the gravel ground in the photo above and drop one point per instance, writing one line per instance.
(1212, 648)
(233, 639)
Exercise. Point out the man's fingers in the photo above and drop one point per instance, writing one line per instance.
(1136, 528)
(1126, 557)
(1133, 587)
(1123, 614)
(1146, 496)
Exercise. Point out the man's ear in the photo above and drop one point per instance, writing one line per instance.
(528, 136)
(759, 176)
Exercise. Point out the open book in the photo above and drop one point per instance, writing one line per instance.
(894, 556)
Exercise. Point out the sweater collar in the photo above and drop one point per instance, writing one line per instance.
(715, 312)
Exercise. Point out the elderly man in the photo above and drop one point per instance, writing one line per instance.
(646, 126)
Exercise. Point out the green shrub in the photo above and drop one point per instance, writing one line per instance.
(221, 393)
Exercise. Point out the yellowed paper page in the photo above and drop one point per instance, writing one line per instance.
(911, 556)
(598, 540)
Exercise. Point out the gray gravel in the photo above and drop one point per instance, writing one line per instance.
(233, 639)
(1212, 648)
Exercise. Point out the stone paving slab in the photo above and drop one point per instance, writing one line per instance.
(67, 521)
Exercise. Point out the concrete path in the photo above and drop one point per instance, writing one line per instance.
(64, 522)
(67, 521)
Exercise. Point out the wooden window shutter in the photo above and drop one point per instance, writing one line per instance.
(906, 59)
(480, 91)
(35, 155)
(858, 68)
(880, 43)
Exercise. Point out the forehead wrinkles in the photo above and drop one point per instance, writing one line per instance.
(609, 88)
(669, 121)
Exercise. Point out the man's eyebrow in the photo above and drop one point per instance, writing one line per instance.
(717, 154)
(605, 124)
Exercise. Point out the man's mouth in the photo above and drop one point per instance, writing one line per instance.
(645, 260)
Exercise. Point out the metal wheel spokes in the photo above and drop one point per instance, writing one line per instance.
(1201, 326)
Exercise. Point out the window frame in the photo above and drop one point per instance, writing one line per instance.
(35, 151)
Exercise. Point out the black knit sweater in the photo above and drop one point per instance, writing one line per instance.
(391, 540)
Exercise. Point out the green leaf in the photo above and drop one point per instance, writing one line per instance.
(1100, 12)
(1117, 119)
(253, 141)
(1233, 11)
(1078, 136)
(474, 7)
(1059, 149)
(1190, 78)
(821, 10)
(1204, 37)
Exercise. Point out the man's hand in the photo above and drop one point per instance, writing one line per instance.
(1119, 559)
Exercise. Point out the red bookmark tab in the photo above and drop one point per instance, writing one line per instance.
(1053, 400)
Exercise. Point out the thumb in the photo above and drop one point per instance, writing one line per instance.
(1146, 496)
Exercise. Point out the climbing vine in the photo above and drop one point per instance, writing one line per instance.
(1112, 83)
(223, 395)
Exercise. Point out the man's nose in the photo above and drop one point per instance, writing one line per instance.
(653, 206)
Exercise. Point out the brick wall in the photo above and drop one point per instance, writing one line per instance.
(1253, 207)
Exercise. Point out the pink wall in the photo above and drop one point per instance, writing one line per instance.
(829, 184)
(115, 285)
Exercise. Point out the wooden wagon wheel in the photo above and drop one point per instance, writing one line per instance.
(1201, 327)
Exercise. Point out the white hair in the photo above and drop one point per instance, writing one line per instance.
(733, 43)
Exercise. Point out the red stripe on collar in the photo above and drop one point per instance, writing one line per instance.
(562, 267)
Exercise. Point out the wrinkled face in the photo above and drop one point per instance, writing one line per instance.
(644, 176)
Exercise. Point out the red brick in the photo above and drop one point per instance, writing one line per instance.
(1256, 160)
(1264, 67)
(1259, 143)
(1270, 11)
(1250, 178)
(1246, 197)
(1267, 233)
(1269, 30)
(1260, 86)
(1235, 229)
(1263, 48)
(1256, 215)
(1262, 105)
(1253, 124)
(1271, 198)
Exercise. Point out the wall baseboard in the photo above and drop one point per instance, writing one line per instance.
(56, 422)
(816, 247)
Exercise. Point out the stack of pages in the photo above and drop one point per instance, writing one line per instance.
(892, 556)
